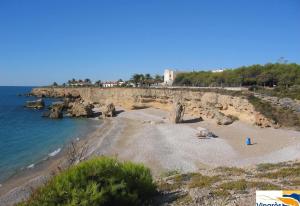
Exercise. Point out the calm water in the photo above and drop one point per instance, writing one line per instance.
(26, 137)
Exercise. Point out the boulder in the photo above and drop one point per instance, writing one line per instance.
(37, 104)
(56, 114)
(81, 109)
(223, 119)
(56, 111)
(109, 110)
(219, 106)
(177, 113)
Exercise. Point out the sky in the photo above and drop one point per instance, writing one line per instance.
(42, 41)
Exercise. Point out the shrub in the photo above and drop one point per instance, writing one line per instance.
(230, 170)
(285, 117)
(201, 181)
(99, 181)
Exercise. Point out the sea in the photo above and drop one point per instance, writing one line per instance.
(27, 138)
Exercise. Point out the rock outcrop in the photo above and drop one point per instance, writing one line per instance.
(37, 104)
(109, 110)
(203, 103)
(56, 111)
(80, 109)
(264, 122)
(177, 113)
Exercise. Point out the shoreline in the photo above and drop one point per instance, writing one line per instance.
(28, 178)
(145, 136)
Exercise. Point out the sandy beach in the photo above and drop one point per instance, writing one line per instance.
(146, 136)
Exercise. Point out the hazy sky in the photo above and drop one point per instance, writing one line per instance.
(55, 40)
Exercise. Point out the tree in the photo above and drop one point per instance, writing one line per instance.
(54, 84)
(158, 79)
(148, 79)
(87, 80)
(98, 83)
(137, 79)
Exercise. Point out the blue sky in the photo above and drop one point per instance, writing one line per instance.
(55, 40)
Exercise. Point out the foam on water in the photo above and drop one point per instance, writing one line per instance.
(55, 152)
(26, 138)
(30, 166)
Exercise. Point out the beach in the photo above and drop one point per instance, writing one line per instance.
(147, 136)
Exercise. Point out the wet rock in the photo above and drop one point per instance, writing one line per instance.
(109, 110)
(56, 114)
(56, 111)
(37, 104)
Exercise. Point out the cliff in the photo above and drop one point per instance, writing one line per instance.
(204, 104)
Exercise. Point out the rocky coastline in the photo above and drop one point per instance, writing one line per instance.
(223, 108)
(164, 129)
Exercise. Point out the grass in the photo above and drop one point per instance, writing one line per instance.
(270, 166)
(292, 92)
(201, 181)
(238, 185)
(230, 170)
(166, 186)
(243, 185)
(263, 186)
(282, 173)
(170, 173)
(220, 193)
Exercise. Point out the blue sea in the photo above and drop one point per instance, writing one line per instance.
(27, 138)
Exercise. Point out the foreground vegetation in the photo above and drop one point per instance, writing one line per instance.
(269, 75)
(292, 92)
(106, 181)
(99, 181)
(229, 185)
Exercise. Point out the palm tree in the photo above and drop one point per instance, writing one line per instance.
(158, 79)
(136, 78)
(98, 83)
(87, 80)
(148, 79)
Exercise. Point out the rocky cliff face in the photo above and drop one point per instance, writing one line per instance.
(207, 105)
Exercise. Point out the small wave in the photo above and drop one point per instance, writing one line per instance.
(55, 152)
(30, 166)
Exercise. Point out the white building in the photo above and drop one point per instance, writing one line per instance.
(169, 77)
(109, 84)
(217, 70)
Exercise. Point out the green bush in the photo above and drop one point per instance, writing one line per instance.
(269, 75)
(99, 181)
